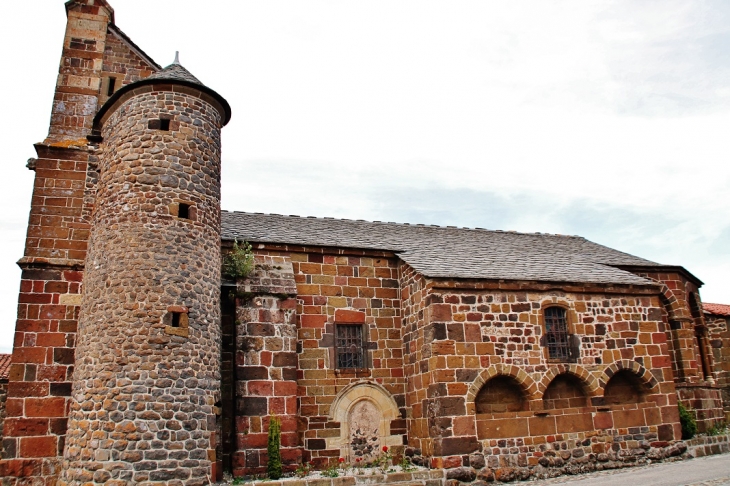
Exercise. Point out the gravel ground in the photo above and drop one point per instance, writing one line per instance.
(705, 471)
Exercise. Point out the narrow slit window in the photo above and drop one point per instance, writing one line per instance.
(175, 319)
(183, 211)
(165, 125)
(350, 347)
(110, 87)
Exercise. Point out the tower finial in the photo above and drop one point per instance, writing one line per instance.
(177, 58)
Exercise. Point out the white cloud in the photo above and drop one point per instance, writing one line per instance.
(606, 119)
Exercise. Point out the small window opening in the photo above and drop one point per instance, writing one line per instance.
(183, 211)
(159, 124)
(175, 319)
(110, 88)
(350, 348)
(556, 333)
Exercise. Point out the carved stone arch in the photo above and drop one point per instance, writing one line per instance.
(364, 410)
(645, 377)
(527, 384)
(587, 380)
(670, 302)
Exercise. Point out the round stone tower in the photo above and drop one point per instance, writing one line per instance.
(147, 373)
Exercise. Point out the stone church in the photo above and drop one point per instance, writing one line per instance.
(136, 361)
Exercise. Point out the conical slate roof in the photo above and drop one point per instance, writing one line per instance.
(176, 72)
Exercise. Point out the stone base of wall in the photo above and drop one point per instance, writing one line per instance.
(705, 401)
(570, 456)
(708, 445)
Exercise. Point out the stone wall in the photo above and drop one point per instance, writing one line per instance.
(719, 332)
(3, 401)
(332, 287)
(266, 364)
(694, 359)
(148, 352)
(471, 337)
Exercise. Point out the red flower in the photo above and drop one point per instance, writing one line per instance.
(358, 459)
(385, 448)
(342, 460)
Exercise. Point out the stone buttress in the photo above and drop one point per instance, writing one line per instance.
(147, 374)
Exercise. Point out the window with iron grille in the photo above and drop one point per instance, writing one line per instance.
(557, 338)
(350, 347)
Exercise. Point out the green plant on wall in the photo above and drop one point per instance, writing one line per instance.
(688, 421)
(274, 467)
(239, 262)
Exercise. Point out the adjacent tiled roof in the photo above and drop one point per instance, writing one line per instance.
(717, 309)
(175, 72)
(449, 252)
(4, 366)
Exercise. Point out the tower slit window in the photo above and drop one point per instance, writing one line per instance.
(183, 211)
(111, 86)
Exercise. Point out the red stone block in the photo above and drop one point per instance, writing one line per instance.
(452, 461)
(20, 468)
(51, 373)
(38, 446)
(73, 275)
(22, 427)
(658, 338)
(29, 355)
(440, 312)
(313, 320)
(252, 441)
(660, 362)
(51, 339)
(346, 316)
(277, 406)
(14, 407)
(285, 388)
(45, 407)
(34, 298)
(602, 420)
(260, 388)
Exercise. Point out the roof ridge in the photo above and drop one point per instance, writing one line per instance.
(422, 225)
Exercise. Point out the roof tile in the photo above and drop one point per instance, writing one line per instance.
(448, 252)
(5, 366)
(716, 309)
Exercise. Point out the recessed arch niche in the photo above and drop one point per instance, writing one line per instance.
(364, 411)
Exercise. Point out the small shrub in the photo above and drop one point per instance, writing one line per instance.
(274, 467)
(688, 421)
(239, 262)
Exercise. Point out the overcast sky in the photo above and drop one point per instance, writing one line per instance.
(609, 120)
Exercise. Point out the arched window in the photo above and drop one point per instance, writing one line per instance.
(500, 394)
(557, 337)
(565, 391)
(623, 387)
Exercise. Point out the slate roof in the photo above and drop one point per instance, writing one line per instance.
(716, 309)
(176, 72)
(449, 252)
(4, 366)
